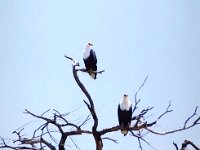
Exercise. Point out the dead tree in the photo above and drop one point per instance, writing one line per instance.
(42, 137)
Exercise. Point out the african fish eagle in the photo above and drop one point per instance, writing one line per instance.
(125, 114)
(90, 60)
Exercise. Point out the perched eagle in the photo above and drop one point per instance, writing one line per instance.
(90, 60)
(125, 114)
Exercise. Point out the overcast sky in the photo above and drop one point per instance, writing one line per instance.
(132, 39)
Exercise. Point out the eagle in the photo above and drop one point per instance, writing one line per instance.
(125, 114)
(90, 60)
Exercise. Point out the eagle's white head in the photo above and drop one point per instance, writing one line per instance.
(89, 46)
(125, 95)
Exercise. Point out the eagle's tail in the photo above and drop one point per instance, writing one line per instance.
(124, 131)
(92, 74)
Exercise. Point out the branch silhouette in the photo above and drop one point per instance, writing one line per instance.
(185, 144)
(89, 105)
(43, 136)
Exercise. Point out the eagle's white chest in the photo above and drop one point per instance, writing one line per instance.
(86, 54)
(125, 104)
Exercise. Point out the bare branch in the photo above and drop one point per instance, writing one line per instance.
(136, 99)
(169, 132)
(166, 111)
(141, 116)
(139, 137)
(117, 128)
(47, 120)
(48, 144)
(140, 87)
(185, 127)
(36, 130)
(77, 147)
(90, 106)
(70, 58)
(45, 112)
(85, 70)
(84, 122)
(175, 145)
(113, 140)
(195, 113)
(187, 142)
(197, 121)
(49, 133)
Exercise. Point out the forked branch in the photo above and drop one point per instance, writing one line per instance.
(185, 144)
(90, 106)
(186, 125)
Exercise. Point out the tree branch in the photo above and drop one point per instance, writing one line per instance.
(90, 106)
(187, 142)
(58, 121)
(176, 146)
(185, 127)
(166, 111)
(194, 114)
(113, 140)
(136, 99)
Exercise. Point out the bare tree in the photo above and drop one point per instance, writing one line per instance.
(43, 137)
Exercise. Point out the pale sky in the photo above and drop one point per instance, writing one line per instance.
(132, 39)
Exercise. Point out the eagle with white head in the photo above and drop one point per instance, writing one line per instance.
(125, 114)
(90, 60)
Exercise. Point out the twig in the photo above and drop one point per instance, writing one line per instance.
(69, 58)
(166, 111)
(136, 100)
(196, 121)
(139, 137)
(195, 113)
(187, 142)
(77, 147)
(113, 140)
(45, 112)
(84, 122)
(175, 145)
(85, 70)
